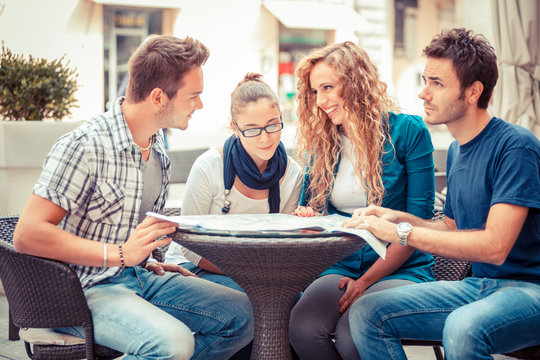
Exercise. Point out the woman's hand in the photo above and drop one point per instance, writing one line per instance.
(304, 211)
(354, 289)
(160, 268)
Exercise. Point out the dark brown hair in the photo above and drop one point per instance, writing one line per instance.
(473, 57)
(249, 90)
(161, 62)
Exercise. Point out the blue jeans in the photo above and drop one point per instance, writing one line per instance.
(213, 277)
(169, 317)
(474, 318)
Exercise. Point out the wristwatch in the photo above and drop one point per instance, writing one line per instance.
(403, 230)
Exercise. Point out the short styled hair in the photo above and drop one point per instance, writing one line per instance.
(473, 57)
(161, 62)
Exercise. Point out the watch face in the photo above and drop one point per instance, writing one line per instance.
(404, 227)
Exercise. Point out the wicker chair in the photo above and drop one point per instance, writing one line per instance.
(530, 353)
(44, 293)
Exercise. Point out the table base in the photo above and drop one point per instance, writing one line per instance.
(272, 275)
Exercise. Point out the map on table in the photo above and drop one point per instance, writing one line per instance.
(272, 222)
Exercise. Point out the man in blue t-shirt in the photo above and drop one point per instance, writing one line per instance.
(492, 219)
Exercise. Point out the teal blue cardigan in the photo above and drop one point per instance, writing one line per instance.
(409, 185)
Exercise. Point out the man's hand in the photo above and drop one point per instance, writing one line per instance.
(354, 289)
(378, 226)
(160, 268)
(305, 211)
(384, 213)
(142, 241)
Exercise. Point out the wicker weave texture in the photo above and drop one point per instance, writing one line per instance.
(44, 293)
(272, 271)
(530, 353)
(450, 269)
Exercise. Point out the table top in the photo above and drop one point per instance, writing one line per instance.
(271, 229)
(263, 234)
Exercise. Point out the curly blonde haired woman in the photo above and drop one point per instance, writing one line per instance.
(357, 153)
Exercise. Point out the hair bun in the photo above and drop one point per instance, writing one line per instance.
(250, 76)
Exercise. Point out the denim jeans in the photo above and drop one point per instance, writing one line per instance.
(169, 317)
(474, 318)
(213, 277)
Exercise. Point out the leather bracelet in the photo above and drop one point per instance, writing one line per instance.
(105, 255)
(122, 264)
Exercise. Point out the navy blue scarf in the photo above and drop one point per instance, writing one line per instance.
(236, 161)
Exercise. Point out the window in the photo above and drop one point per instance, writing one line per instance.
(405, 29)
(294, 44)
(124, 30)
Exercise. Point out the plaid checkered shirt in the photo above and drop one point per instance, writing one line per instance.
(93, 173)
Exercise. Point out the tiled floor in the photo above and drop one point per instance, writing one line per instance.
(14, 350)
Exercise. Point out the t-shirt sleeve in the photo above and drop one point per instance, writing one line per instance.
(516, 178)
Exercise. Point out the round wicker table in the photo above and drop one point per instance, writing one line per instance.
(272, 269)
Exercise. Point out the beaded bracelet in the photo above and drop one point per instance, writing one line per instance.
(122, 264)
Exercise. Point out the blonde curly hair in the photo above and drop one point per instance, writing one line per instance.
(366, 104)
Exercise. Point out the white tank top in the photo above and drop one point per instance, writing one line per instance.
(348, 192)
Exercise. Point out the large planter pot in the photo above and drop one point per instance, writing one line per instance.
(23, 147)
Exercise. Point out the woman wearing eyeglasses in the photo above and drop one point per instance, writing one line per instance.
(358, 153)
(251, 174)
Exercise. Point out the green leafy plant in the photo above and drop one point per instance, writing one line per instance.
(35, 89)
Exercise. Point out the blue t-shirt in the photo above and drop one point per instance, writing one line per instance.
(500, 165)
(409, 185)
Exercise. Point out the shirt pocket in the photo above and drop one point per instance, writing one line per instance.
(106, 204)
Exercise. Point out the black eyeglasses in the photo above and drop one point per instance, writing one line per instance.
(272, 128)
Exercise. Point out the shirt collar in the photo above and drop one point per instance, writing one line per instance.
(122, 138)
(120, 130)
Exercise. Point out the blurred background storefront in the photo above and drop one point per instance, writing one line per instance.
(266, 36)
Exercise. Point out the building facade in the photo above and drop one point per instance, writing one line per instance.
(265, 36)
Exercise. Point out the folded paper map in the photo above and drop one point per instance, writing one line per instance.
(272, 223)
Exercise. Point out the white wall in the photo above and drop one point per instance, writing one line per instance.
(239, 34)
(52, 28)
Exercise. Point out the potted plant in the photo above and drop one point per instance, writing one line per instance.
(35, 94)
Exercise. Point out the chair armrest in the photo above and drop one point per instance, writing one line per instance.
(41, 293)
